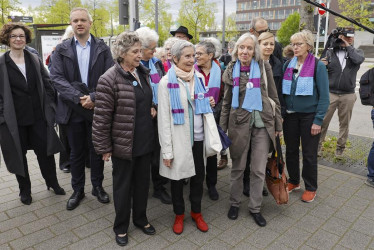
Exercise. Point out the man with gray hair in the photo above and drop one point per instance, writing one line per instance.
(260, 25)
(78, 64)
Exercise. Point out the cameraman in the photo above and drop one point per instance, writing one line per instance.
(342, 61)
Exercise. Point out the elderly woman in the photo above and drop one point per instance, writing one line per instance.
(149, 39)
(167, 46)
(305, 88)
(208, 66)
(26, 112)
(123, 130)
(251, 115)
(182, 102)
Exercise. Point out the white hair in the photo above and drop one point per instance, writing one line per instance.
(256, 56)
(69, 33)
(170, 42)
(217, 45)
(179, 46)
(147, 36)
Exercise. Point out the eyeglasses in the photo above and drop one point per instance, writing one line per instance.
(21, 37)
(199, 54)
(296, 44)
(262, 31)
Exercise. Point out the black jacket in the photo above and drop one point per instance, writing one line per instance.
(344, 82)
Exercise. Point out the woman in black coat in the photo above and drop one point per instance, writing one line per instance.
(27, 112)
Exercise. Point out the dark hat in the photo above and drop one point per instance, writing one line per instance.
(183, 30)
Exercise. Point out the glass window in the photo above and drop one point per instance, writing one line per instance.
(298, 2)
(262, 4)
(254, 4)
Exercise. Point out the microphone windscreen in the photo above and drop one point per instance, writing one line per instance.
(295, 71)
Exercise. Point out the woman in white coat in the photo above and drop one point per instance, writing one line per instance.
(181, 105)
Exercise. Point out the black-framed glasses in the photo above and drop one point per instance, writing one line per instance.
(21, 37)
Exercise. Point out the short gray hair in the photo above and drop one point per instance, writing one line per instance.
(208, 46)
(307, 36)
(217, 45)
(255, 20)
(170, 42)
(179, 46)
(81, 9)
(147, 36)
(69, 33)
(241, 39)
(231, 45)
(123, 43)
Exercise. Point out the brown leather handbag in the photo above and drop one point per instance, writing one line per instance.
(276, 179)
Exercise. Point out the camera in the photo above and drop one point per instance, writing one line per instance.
(335, 33)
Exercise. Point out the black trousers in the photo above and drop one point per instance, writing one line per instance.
(130, 184)
(35, 137)
(211, 171)
(80, 138)
(158, 180)
(64, 155)
(196, 184)
(298, 126)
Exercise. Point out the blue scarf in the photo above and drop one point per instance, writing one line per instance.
(154, 79)
(202, 105)
(252, 99)
(214, 83)
(305, 81)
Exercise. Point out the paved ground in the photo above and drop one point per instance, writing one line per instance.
(341, 217)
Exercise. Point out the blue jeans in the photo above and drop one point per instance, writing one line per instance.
(371, 154)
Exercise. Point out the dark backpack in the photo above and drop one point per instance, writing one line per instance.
(367, 88)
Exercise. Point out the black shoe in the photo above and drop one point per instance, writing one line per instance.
(213, 194)
(185, 181)
(74, 200)
(57, 189)
(100, 193)
(265, 192)
(233, 213)
(259, 219)
(65, 169)
(163, 196)
(246, 188)
(122, 241)
(26, 199)
(147, 230)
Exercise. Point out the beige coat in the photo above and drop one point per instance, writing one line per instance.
(175, 140)
(237, 121)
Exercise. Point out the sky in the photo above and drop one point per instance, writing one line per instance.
(174, 7)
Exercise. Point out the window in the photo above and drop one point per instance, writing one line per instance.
(254, 4)
(275, 3)
(262, 4)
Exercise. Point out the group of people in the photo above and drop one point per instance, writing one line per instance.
(148, 116)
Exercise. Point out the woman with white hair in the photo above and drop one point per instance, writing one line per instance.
(305, 89)
(182, 102)
(149, 39)
(251, 115)
(167, 46)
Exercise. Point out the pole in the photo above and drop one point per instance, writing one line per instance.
(223, 25)
(318, 30)
(156, 19)
(327, 24)
(132, 15)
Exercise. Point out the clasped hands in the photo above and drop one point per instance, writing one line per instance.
(86, 102)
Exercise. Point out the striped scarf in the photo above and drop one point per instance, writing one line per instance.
(214, 80)
(252, 99)
(154, 78)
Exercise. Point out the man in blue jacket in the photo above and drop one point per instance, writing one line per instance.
(77, 65)
(343, 62)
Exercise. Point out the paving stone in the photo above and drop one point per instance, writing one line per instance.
(365, 226)
(154, 242)
(262, 237)
(3, 216)
(222, 222)
(66, 214)
(323, 240)
(18, 211)
(10, 235)
(366, 193)
(340, 247)
(48, 210)
(323, 211)
(15, 222)
(31, 239)
(199, 238)
(336, 226)
(99, 213)
(294, 237)
(5, 247)
(369, 211)
(310, 223)
(280, 223)
(90, 242)
(216, 244)
(182, 244)
(276, 246)
(347, 213)
(234, 235)
(345, 192)
(355, 240)
(357, 203)
(39, 224)
(334, 201)
(58, 242)
(295, 211)
(92, 227)
(5, 191)
(69, 224)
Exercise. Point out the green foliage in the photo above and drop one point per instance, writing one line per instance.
(231, 32)
(6, 7)
(289, 27)
(357, 10)
(197, 16)
(147, 17)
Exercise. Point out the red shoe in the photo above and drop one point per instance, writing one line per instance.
(308, 196)
(200, 223)
(292, 187)
(178, 224)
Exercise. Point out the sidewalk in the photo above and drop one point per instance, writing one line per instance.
(341, 217)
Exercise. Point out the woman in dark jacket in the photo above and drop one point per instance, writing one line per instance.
(27, 112)
(123, 129)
